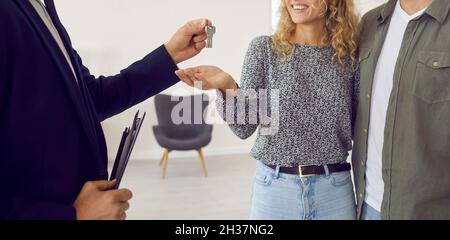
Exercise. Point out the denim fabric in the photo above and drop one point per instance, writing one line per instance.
(278, 196)
(369, 213)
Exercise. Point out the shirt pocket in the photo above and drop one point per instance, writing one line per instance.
(432, 77)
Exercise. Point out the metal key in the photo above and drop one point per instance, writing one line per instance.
(210, 31)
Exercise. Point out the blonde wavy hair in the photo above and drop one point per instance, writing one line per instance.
(341, 26)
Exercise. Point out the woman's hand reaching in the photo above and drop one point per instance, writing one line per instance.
(207, 78)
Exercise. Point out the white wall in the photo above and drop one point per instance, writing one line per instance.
(366, 5)
(111, 34)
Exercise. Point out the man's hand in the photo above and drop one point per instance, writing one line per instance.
(97, 201)
(188, 41)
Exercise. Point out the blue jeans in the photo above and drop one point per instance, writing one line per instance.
(370, 213)
(278, 196)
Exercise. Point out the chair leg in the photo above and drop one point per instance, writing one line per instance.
(164, 161)
(202, 160)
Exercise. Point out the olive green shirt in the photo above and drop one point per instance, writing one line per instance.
(416, 151)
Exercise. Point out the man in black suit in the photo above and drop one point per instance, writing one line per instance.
(53, 158)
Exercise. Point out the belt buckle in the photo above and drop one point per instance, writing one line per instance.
(300, 172)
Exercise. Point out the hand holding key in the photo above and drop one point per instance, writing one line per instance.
(188, 41)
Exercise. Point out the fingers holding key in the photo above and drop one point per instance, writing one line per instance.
(200, 38)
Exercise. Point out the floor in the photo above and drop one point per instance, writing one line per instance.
(186, 194)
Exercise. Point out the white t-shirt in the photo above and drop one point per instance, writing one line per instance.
(381, 92)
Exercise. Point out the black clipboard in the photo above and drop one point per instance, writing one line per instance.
(126, 146)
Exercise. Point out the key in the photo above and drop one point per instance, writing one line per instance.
(210, 31)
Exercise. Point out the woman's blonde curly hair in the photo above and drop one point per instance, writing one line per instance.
(341, 26)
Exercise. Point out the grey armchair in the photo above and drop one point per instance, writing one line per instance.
(184, 136)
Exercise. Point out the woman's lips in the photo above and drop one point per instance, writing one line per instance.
(299, 8)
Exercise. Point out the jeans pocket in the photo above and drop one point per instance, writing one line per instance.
(341, 179)
(263, 179)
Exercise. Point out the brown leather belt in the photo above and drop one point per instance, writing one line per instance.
(310, 171)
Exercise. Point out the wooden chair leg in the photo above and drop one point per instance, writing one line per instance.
(164, 160)
(202, 160)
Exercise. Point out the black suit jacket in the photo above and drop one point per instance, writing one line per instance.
(51, 140)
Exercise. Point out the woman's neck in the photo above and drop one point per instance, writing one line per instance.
(310, 34)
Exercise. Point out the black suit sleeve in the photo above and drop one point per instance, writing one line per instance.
(143, 79)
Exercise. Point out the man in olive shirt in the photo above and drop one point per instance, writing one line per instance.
(401, 156)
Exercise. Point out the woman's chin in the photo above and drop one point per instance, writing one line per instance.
(304, 21)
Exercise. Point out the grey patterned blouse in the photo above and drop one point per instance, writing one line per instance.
(314, 97)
